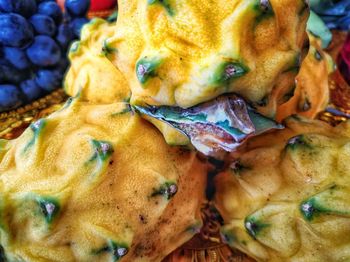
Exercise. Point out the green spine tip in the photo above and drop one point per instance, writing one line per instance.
(265, 7)
(38, 125)
(167, 190)
(254, 227)
(106, 49)
(74, 48)
(308, 210)
(228, 71)
(113, 17)
(37, 128)
(146, 68)
(102, 149)
(237, 167)
(297, 141)
(165, 4)
(49, 208)
(116, 250)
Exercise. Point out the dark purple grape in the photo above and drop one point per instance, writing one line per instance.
(77, 7)
(9, 74)
(44, 51)
(77, 24)
(43, 25)
(30, 89)
(15, 31)
(17, 57)
(64, 35)
(10, 97)
(51, 9)
(49, 80)
(25, 8)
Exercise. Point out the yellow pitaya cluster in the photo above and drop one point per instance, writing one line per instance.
(285, 196)
(96, 181)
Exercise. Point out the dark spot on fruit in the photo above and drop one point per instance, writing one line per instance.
(143, 220)
(263, 102)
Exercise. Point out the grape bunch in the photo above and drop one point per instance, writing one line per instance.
(335, 13)
(34, 39)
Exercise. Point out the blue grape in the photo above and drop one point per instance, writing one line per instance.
(77, 7)
(25, 8)
(9, 74)
(43, 25)
(64, 35)
(44, 51)
(49, 80)
(77, 24)
(10, 97)
(41, 1)
(30, 89)
(15, 31)
(17, 57)
(51, 9)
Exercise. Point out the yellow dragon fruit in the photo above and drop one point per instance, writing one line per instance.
(92, 75)
(96, 183)
(286, 195)
(178, 53)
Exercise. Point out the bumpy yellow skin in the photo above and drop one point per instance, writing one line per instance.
(92, 75)
(187, 45)
(193, 39)
(85, 185)
(290, 201)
